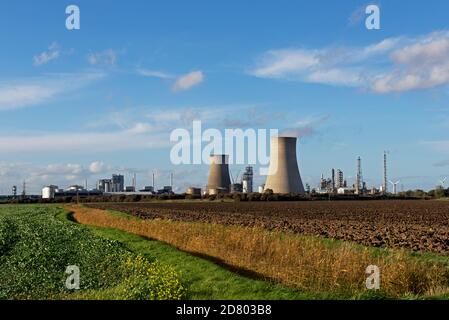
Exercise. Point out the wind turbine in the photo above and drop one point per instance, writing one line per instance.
(395, 184)
(442, 181)
(236, 178)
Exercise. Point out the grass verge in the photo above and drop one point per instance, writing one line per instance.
(205, 280)
(36, 248)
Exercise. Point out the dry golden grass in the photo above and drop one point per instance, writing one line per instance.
(309, 263)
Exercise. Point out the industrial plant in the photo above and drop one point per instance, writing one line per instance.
(283, 177)
(338, 185)
(107, 187)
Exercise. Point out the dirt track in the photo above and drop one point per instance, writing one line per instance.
(416, 225)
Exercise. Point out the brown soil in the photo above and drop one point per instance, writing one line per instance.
(415, 225)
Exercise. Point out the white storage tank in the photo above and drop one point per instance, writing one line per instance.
(49, 192)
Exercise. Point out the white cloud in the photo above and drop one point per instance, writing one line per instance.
(332, 66)
(137, 138)
(281, 63)
(427, 51)
(34, 91)
(422, 65)
(61, 174)
(155, 74)
(98, 167)
(381, 47)
(181, 83)
(133, 134)
(188, 81)
(38, 176)
(16, 96)
(107, 57)
(392, 65)
(306, 126)
(344, 77)
(139, 128)
(51, 54)
(168, 118)
(239, 116)
(154, 133)
(65, 169)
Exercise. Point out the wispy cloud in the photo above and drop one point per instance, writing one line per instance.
(61, 174)
(137, 137)
(239, 116)
(306, 126)
(359, 14)
(107, 57)
(188, 81)
(15, 94)
(392, 65)
(180, 82)
(442, 163)
(146, 130)
(52, 53)
(155, 74)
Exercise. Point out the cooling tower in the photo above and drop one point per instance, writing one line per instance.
(283, 174)
(219, 173)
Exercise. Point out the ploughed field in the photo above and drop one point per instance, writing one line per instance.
(416, 225)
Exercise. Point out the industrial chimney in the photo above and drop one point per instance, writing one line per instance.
(219, 179)
(283, 173)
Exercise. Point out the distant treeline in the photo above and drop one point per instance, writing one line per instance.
(236, 197)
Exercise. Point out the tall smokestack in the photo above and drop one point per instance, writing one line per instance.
(333, 179)
(153, 181)
(385, 182)
(219, 178)
(284, 174)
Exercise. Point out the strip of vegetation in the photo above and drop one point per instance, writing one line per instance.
(36, 248)
(309, 264)
(207, 280)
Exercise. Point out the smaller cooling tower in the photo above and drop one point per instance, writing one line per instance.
(283, 173)
(219, 178)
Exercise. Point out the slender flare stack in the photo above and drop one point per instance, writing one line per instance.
(219, 179)
(283, 173)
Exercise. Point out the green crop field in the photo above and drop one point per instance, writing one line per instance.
(36, 247)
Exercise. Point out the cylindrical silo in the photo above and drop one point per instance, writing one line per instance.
(283, 174)
(219, 178)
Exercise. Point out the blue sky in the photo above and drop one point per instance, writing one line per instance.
(83, 104)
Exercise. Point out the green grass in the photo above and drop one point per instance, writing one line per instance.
(36, 248)
(204, 279)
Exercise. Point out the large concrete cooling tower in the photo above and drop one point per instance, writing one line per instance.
(283, 176)
(219, 179)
